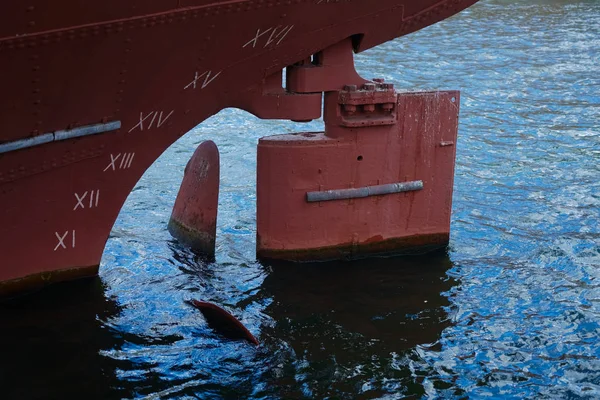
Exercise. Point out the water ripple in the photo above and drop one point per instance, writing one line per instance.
(512, 310)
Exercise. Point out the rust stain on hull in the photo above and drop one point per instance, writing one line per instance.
(40, 280)
(200, 242)
(417, 244)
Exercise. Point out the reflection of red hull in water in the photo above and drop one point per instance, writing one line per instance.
(94, 92)
(223, 322)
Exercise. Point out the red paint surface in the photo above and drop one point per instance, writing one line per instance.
(71, 63)
(194, 218)
(414, 148)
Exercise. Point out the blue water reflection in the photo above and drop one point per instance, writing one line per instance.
(512, 310)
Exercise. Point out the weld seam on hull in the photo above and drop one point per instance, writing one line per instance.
(59, 135)
(367, 191)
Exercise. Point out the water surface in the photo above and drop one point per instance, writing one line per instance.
(512, 309)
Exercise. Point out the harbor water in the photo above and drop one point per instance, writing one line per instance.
(510, 310)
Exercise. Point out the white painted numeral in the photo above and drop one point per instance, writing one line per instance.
(208, 78)
(125, 161)
(63, 241)
(162, 118)
(277, 34)
(93, 199)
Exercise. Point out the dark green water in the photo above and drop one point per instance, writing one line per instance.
(511, 310)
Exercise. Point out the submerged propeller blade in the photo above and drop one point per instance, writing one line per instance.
(223, 322)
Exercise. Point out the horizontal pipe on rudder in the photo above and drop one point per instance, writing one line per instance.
(367, 191)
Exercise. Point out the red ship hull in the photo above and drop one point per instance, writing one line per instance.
(94, 92)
